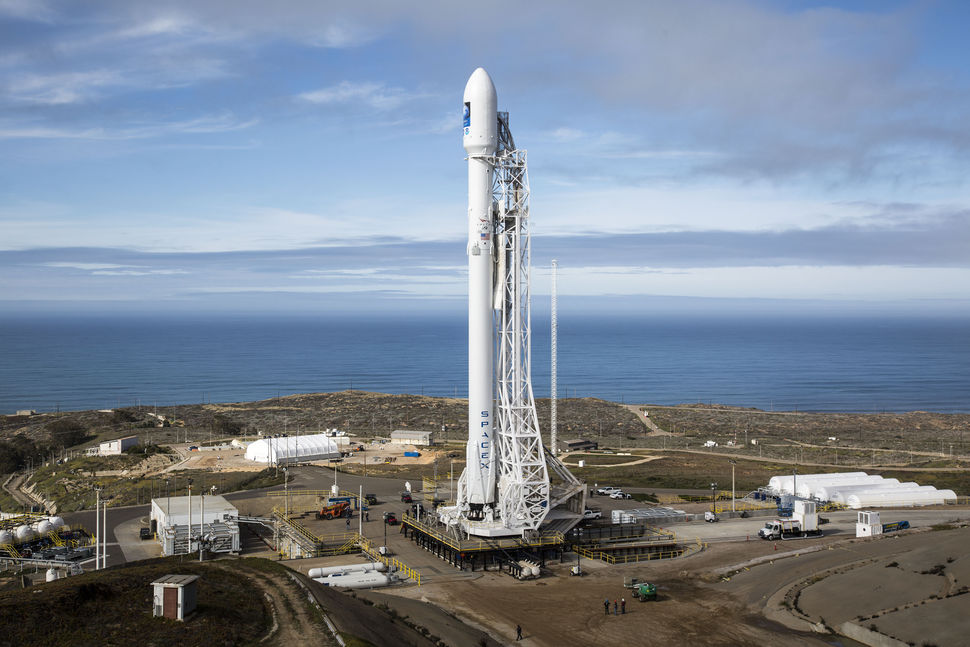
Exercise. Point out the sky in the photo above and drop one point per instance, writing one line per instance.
(305, 156)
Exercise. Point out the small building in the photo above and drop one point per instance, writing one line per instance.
(117, 446)
(180, 521)
(26, 412)
(175, 596)
(408, 437)
(578, 445)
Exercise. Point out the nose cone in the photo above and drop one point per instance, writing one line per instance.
(479, 119)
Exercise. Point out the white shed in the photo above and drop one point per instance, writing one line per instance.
(292, 449)
(409, 437)
(175, 596)
(180, 522)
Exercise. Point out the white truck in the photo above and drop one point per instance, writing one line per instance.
(590, 514)
(803, 523)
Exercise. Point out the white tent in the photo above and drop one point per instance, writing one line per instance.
(290, 449)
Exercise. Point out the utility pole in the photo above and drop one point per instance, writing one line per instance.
(733, 463)
(553, 395)
(97, 528)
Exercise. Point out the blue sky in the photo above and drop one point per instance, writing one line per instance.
(306, 156)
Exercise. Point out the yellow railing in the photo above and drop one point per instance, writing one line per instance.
(11, 550)
(55, 538)
(368, 549)
(324, 544)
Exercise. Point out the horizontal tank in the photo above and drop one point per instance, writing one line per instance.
(359, 580)
(43, 527)
(56, 522)
(827, 491)
(785, 483)
(23, 533)
(365, 567)
(5, 537)
(893, 499)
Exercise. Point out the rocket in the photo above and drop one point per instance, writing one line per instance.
(480, 140)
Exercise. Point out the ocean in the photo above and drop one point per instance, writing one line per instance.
(825, 363)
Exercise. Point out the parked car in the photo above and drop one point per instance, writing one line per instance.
(371, 499)
(620, 494)
(606, 490)
(145, 533)
(710, 517)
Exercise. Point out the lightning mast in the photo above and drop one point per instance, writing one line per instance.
(554, 368)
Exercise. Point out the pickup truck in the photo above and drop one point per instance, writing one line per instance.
(606, 490)
(620, 494)
(592, 514)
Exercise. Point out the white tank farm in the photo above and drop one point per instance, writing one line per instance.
(811, 489)
(366, 567)
(784, 483)
(842, 495)
(828, 491)
(56, 522)
(907, 498)
(43, 527)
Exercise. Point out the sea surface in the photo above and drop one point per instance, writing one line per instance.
(897, 364)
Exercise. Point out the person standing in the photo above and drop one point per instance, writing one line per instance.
(623, 606)
(606, 606)
(614, 608)
(518, 632)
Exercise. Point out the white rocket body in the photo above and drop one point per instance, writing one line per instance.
(480, 139)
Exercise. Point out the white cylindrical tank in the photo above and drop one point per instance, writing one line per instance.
(43, 527)
(897, 498)
(324, 571)
(812, 488)
(56, 522)
(368, 580)
(5, 537)
(52, 574)
(23, 533)
(828, 491)
(787, 483)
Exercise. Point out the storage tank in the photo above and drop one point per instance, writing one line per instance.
(829, 490)
(810, 489)
(898, 498)
(5, 537)
(43, 527)
(785, 482)
(52, 574)
(358, 580)
(366, 567)
(56, 522)
(23, 533)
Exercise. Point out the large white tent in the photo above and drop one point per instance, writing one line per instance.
(291, 449)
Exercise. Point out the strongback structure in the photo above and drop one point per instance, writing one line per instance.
(505, 488)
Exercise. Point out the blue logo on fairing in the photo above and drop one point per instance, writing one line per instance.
(466, 116)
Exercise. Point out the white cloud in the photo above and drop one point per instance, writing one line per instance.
(206, 124)
(374, 95)
(34, 10)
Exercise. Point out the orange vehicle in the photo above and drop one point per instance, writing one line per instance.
(334, 511)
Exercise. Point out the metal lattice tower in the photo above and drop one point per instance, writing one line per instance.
(523, 479)
(554, 352)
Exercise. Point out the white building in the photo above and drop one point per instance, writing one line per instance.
(212, 518)
(408, 437)
(292, 449)
(117, 446)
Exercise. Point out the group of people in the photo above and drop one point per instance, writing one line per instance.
(618, 606)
